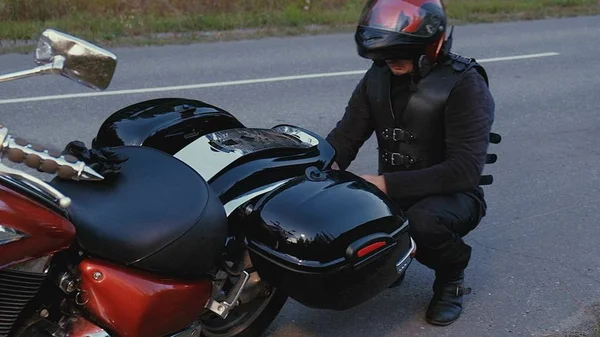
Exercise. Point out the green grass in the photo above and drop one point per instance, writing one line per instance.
(502, 10)
(125, 21)
(104, 22)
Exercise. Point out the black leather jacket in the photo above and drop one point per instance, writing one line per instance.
(442, 125)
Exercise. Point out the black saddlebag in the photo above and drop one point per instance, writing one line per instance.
(330, 240)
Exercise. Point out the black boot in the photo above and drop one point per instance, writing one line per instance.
(446, 305)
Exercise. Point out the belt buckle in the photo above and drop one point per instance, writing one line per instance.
(401, 135)
(393, 157)
(405, 160)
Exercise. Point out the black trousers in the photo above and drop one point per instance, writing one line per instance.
(439, 223)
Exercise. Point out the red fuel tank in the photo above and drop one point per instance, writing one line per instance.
(29, 230)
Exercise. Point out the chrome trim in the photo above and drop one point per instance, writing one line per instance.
(404, 225)
(67, 283)
(237, 202)
(83, 62)
(78, 60)
(63, 200)
(49, 68)
(8, 235)
(295, 132)
(38, 266)
(80, 327)
(11, 144)
(253, 289)
(406, 260)
(20, 185)
(223, 308)
(82, 171)
(98, 334)
(3, 134)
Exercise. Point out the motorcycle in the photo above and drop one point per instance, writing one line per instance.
(207, 229)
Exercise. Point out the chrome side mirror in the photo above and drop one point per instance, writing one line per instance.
(76, 59)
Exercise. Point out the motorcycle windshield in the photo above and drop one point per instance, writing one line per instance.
(403, 16)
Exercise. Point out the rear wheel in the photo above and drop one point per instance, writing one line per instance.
(248, 319)
(258, 305)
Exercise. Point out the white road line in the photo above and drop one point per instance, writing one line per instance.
(518, 57)
(241, 82)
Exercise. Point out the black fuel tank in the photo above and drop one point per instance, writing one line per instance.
(166, 124)
(329, 239)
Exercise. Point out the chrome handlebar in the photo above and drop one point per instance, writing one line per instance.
(37, 157)
(62, 200)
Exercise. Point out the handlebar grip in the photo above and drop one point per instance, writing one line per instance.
(33, 160)
(36, 156)
(44, 160)
(16, 155)
(48, 165)
(66, 172)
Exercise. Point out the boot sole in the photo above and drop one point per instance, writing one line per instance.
(432, 322)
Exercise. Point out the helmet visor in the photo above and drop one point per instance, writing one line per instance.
(404, 17)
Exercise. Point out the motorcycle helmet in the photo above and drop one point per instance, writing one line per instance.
(401, 29)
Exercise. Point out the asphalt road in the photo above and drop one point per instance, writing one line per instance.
(536, 258)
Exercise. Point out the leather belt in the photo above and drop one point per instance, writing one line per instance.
(397, 159)
(398, 135)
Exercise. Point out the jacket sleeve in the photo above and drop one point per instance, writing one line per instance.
(355, 127)
(468, 120)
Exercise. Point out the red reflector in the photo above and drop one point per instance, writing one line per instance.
(370, 248)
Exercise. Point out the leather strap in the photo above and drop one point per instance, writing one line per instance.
(397, 159)
(398, 135)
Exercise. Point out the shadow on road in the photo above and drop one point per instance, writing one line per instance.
(384, 315)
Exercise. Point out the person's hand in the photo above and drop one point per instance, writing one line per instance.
(378, 181)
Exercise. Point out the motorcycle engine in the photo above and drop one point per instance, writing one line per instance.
(19, 284)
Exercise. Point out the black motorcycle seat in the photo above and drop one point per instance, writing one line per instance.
(157, 214)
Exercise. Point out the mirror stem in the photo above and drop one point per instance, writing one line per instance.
(53, 67)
